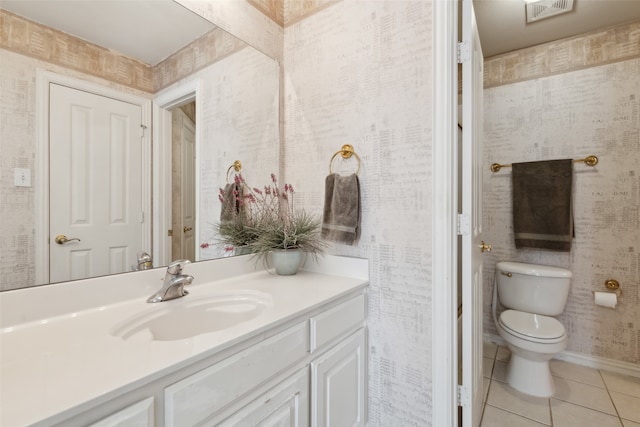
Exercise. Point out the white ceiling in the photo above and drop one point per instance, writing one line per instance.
(148, 30)
(503, 28)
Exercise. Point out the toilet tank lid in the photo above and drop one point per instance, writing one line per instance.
(532, 269)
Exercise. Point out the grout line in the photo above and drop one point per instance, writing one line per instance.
(519, 415)
(550, 411)
(486, 398)
(484, 406)
(588, 407)
(606, 387)
(557, 375)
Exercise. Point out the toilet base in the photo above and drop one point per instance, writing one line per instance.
(530, 376)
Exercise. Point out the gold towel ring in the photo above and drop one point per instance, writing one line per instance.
(237, 166)
(346, 152)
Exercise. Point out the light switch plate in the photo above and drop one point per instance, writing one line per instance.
(22, 177)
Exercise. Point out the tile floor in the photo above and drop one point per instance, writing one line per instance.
(585, 397)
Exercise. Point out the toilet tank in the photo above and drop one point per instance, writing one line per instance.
(538, 289)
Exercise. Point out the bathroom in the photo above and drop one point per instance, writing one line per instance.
(386, 67)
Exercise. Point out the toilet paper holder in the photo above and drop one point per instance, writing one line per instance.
(612, 285)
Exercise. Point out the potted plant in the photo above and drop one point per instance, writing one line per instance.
(273, 227)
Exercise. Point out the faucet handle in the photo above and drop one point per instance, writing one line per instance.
(176, 267)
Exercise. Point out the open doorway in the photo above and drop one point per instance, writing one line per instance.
(183, 191)
(176, 139)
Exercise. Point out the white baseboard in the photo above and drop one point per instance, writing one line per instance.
(595, 362)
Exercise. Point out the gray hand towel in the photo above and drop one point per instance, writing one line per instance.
(341, 219)
(542, 204)
(232, 201)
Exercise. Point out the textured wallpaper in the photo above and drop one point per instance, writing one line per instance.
(208, 49)
(47, 44)
(359, 72)
(599, 47)
(239, 122)
(572, 115)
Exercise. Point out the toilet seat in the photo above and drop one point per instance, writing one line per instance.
(532, 327)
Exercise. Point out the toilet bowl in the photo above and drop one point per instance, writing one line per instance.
(532, 294)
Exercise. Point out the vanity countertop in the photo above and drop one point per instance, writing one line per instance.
(58, 366)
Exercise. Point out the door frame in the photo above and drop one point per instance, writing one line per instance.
(444, 345)
(164, 101)
(41, 182)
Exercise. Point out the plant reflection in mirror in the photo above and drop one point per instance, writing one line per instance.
(263, 220)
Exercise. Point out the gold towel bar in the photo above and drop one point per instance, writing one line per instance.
(589, 161)
(346, 152)
(236, 166)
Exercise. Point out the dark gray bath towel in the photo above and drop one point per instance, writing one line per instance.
(341, 219)
(542, 204)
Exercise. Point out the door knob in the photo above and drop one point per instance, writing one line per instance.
(61, 239)
(484, 247)
(185, 229)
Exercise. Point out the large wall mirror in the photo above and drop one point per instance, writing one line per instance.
(207, 99)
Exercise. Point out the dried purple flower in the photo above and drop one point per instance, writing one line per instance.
(204, 245)
(273, 178)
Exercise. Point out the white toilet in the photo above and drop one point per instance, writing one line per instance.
(531, 293)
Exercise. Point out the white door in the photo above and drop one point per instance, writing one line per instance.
(188, 190)
(183, 210)
(471, 210)
(95, 166)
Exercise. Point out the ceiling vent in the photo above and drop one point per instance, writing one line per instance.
(541, 9)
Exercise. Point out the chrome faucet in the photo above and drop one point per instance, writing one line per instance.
(174, 283)
(145, 262)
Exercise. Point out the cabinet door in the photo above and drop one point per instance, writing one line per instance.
(136, 415)
(285, 405)
(338, 384)
(204, 394)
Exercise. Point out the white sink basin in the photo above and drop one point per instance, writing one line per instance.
(190, 316)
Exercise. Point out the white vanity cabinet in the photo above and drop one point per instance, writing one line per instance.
(306, 370)
(286, 404)
(339, 380)
(321, 362)
(259, 349)
(139, 414)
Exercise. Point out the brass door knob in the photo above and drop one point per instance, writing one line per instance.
(185, 229)
(61, 239)
(485, 247)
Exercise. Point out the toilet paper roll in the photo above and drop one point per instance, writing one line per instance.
(605, 299)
